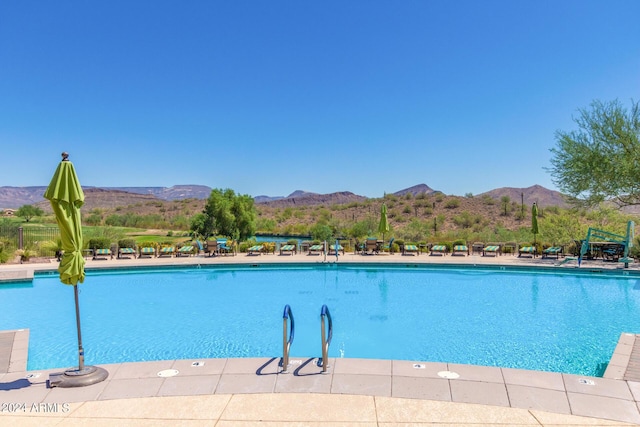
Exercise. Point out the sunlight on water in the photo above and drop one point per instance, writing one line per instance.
(555, 322)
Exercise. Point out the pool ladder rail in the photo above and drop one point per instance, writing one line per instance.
(325, 319)
(287, 337)
(288, 332)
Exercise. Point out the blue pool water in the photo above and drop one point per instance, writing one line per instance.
(545, 321)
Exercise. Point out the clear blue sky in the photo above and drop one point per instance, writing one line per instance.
(267, 97)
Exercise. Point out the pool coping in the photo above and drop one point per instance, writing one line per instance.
(551, 392)
(612, 397)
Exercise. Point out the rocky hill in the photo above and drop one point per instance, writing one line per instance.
(14, 197)
(100, 198)
(303, 198)
(416, 189)
(535, 193)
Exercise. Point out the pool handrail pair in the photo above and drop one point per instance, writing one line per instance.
(289, 331)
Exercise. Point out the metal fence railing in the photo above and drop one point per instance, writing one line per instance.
(29, 238)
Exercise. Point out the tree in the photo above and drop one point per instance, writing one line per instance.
(29, 211)
(226, 214)
(601, 160)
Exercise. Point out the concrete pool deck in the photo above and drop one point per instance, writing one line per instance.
(241, 392)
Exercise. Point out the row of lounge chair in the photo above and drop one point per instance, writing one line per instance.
(484, 250)
(103, 253)
(370, 246)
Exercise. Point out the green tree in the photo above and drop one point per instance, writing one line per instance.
(601, 159)
(226, 214)
(321, 231)
(28, 212)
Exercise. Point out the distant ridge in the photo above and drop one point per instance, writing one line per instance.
(536, 193)
(177, 192)
(303, 198)
(14, 197)
(416, 189)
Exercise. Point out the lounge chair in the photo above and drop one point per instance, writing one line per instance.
(126, 252)
(527, 250)
(387, 248)
(255, 249)
(150, 252)
(291, 249)
(186, 250)
(199, 247)
(211, 247)
(167, 251)
(371, 245)
(460, 249)
(332, 249)
(491, 249)
(102, 253)
(316, 249)
(439, 249)
(410, 249)
(553, 250)
(226, 248)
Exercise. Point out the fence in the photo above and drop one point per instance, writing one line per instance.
(29, 238)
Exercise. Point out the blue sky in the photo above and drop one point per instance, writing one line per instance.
(268, 97)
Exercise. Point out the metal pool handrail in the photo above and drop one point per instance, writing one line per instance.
(287, 336)
(326, 340)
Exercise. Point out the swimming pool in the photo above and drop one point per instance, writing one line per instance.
(550, 321)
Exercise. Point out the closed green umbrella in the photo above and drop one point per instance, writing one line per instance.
(534, 221)
(383, 227)
(66, 197)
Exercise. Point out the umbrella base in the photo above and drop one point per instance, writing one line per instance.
(78, 378)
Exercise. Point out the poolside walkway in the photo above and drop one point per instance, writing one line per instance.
(354, 392)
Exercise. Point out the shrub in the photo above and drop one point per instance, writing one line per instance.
(99, 243)
(452, 204)
(126, 243)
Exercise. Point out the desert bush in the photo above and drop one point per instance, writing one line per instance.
(452, 204)
(99, 243)
(126, 243)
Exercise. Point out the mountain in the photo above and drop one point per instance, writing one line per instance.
(265, 199)
(536, 193)
(416, 189)
(303, 198)
(177, 192)
(100, 198)
(14, 197)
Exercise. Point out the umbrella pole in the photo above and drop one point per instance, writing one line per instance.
(80, 349)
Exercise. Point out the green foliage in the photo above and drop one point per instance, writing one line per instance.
(466, 219)
(99, 243)
(126, 243)
(28, 212)
(363, 228)
(227, 214)
(600, 160)
(505, 201)
(321, 232)
(452, 204)
(488, 200)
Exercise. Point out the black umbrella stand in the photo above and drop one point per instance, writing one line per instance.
(84, 375)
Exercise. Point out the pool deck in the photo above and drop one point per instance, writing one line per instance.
(353, 392)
